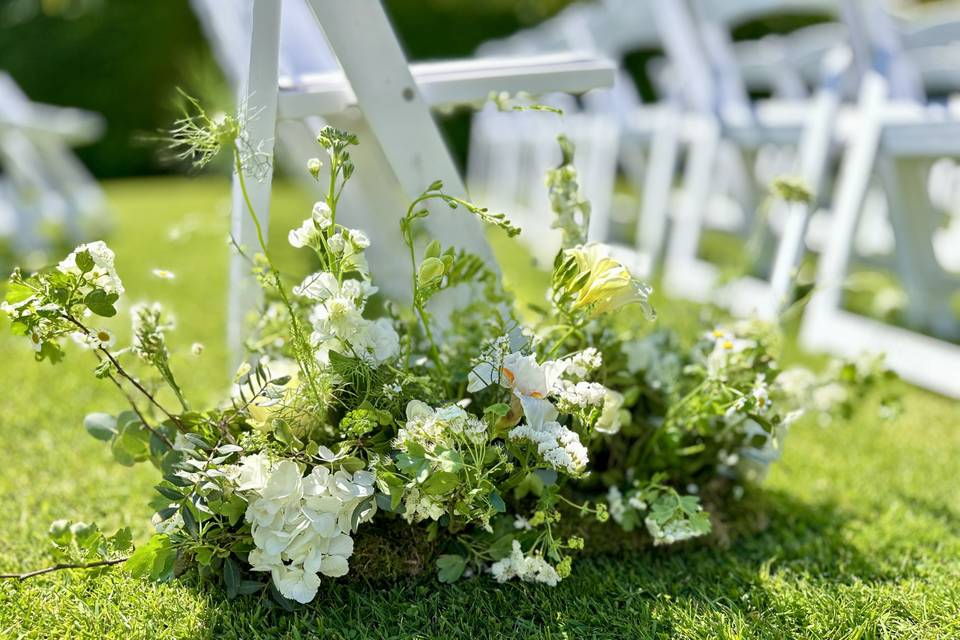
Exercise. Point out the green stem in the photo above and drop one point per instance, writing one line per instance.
(302, 347)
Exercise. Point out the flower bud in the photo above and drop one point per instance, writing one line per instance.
(430, 271)
(313, 166)
(433, 249)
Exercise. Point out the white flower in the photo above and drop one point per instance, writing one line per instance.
(530, 382)
(103, 275)
(336, 243)
(303, 236)
(163, 274)
(581, 394)
(196, 348)
(377, 341)
(301, 525)
(323, 285)
(101, 339)
(532, 568)
(322, 215)
(253, 471)
(610, 419)
(295, 583)
(430, 427)
(557, 445)
(615, 504)
(419, 507)
(582, 364)
(359, 239)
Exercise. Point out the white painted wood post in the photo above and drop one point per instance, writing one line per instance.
(257, 108)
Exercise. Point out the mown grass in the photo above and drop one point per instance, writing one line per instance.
(861, 535)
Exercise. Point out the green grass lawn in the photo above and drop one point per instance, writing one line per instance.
(861, 535)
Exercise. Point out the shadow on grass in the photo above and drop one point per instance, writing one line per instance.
(635, 593)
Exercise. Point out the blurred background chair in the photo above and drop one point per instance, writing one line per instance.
(46, 194)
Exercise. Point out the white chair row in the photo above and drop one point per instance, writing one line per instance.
(707, 116)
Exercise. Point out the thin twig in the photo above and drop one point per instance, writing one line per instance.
(126, 375)
(62, 565)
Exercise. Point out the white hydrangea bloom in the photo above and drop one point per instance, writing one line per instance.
(104, 274)
(557, 445)
(300, 525)
(529, 568)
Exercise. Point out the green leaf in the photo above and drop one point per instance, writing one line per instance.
(246, 587)
(439, 483)
(85, 262)
(153, 560)
(234, 508)
(59, 532)
(122, 540)
(17, 292)
(101, 303)
(231, 577)
(450, 461)
(499, 410)
(497, 502)
(167, 492)
(101, 426)
(450, 567)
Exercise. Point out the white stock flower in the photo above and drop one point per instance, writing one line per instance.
(322, 215)
(104, 274)
(305, 235)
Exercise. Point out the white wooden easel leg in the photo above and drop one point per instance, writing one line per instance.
(257, 103)
(360, 35)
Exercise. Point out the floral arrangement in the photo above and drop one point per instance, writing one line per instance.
(491, 437)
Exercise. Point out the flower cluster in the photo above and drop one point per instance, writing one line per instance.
(478, 431)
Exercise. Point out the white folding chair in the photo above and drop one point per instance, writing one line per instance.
(899, 137)
(45, 184)
(376, 94)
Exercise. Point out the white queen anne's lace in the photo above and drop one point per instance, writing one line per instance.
(529, 568)
(557, 445)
